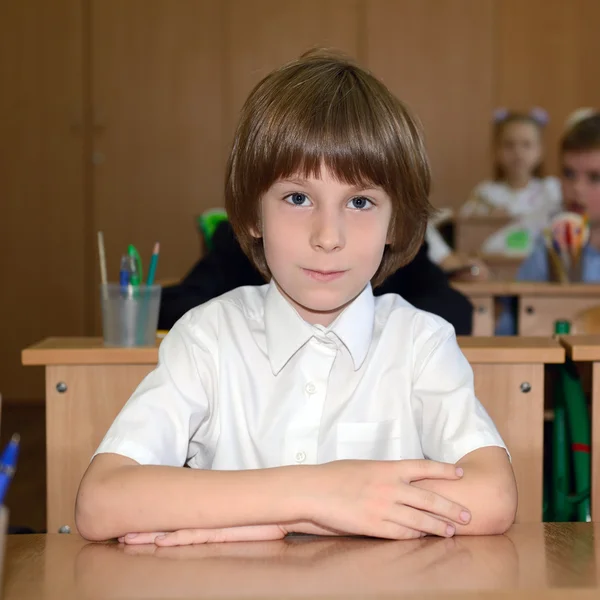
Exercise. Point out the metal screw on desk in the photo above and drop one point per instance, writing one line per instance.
(64, 529)
(481, 309)
(529, 310)
(61, 387)
(525, 387)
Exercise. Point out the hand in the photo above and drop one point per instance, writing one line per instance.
(376, 498)
(472, 270)
(250, 533)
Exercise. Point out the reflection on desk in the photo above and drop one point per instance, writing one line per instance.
(559, 558)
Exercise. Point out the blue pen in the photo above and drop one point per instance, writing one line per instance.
(124, 272)
(8, 464)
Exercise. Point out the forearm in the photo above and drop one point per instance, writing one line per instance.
(136, 498)
(487, 489)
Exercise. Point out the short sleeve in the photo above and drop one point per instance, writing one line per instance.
(169, 406)
(535, 266)
(451, 419)
(437, 250)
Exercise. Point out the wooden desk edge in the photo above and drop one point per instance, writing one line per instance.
(85, 351)
(582, 348)
(90, 351)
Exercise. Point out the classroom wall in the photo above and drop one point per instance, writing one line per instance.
(117, 115)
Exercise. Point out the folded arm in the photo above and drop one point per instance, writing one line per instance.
(488, 489)
(118, 496)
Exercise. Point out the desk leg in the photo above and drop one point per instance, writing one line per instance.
(595, 503)
(483, 315)
(76, 420)
(519, 417)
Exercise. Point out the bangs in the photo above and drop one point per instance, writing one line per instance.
(342, 126)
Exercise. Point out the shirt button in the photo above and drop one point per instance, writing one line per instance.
(300, 457)
(310, 388)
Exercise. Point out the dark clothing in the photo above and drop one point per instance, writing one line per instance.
(226, 267)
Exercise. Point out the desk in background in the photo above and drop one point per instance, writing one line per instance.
(87, 384)
(501, 267)
(471, 232)
(533, 561)
(540, 304)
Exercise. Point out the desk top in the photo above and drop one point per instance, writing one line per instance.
(526, 288)
(91, 351)
(531, 561)
(582, 347)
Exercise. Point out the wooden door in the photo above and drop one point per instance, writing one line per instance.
(43, 244)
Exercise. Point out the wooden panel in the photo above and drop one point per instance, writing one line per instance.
(537, 315)
(158, 148)
(545, 55)
(582, 347)
(41, 182)
(472, 232)
(533, 561)
(91, 351)
(519, 418)
(483, 316)
(437, 56)
(264, 34)
(76, 422)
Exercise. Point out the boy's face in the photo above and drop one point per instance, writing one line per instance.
(323, 241)
(580, 180)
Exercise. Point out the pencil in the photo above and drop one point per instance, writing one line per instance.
(102, 256)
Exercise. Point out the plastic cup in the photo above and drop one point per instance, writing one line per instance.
(130, 314)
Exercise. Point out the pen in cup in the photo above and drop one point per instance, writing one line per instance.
(124, 272)
(153, 264)
(136, 275)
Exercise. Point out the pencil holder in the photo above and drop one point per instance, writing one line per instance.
(130, 314)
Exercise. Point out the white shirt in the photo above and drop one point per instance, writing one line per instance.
(539, 196)
(243, 382)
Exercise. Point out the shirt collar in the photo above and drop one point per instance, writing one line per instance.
(286, 331)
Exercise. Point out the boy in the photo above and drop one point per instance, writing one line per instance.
(580, 183)
(307, 405)
(225, 267)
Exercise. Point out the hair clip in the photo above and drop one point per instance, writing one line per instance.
(500, 115)
(539, 115)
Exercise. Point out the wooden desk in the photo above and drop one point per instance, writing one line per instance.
(88, 384)
(501, 267)
(471, 232)
(586, 348)
(533, 561)
(540, 304)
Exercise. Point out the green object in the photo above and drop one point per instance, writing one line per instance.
(578, 425)
(518, 240)
(561, 509)
(137, 275)
(208, 222)
(571, 460)
(562, 327)
(152, 268)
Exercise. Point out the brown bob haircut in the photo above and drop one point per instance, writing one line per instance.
(324, 110)
(583, 136)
